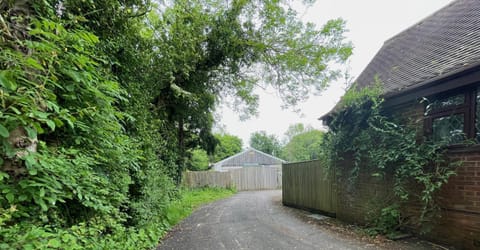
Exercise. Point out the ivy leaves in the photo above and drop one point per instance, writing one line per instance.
(398, 154)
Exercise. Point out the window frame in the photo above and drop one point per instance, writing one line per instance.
(468, 109)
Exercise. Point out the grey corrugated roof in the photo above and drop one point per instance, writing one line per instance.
(443, 43)
(250, 156)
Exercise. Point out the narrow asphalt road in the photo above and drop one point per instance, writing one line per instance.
(257, 220)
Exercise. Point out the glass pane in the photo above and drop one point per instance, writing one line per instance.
(449, 128)
(446, 102)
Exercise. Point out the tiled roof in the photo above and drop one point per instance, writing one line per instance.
(250, 156)
(446, 42)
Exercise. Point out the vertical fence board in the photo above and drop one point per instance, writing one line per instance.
(309, 185)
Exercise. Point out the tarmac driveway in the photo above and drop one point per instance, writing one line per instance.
(257, 220)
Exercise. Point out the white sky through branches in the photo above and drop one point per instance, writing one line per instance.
(370, 23)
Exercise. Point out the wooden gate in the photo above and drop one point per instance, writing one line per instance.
(309, 185)
(256, 178)
(247, 178)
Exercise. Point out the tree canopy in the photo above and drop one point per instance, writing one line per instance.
(227, 146)
(303, 146)
(266, 143)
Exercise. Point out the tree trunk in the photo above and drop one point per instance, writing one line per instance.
(181, 152)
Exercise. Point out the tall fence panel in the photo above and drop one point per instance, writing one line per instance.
(309, 185)
(247, 178)
(207, 178)
(256, 178)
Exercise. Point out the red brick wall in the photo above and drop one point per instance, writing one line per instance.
(460, 200)
(459, 224)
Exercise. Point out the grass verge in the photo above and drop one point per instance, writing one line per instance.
(191, 199)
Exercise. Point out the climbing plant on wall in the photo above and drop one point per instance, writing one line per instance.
(383, 146)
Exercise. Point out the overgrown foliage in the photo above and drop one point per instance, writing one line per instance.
(198, 160)
(379, 145)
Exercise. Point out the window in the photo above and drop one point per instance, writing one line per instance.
(450, 127)
(454, 117)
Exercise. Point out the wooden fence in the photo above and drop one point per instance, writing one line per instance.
(308, 185)
(247, 178)
(207, 179)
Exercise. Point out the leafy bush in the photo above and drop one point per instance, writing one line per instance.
(198, 160)
(71, 176)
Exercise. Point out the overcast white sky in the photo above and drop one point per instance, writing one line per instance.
(370, 23)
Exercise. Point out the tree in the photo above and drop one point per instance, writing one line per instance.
(296, 129)
(198, 160)
(303, 146)
(227, 146)
(211, 50)
(266, 143)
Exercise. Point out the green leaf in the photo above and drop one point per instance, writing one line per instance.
(42, 192)
(4, 131)
(15, 110)
(4, 175)
(6, 83)
(30, 161)
(38, 127)
(70, 87)
(40, 114)
(33, 63)
(51, 124)
(74, 75)
(32, 171)
(9, 197)
(55, 243)
(31, 132)
(67, 238)
(22, 197)
(58, 122)
(41, 203)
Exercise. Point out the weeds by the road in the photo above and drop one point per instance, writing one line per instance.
(193, 198)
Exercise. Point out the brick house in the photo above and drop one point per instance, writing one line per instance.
(437, 59)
